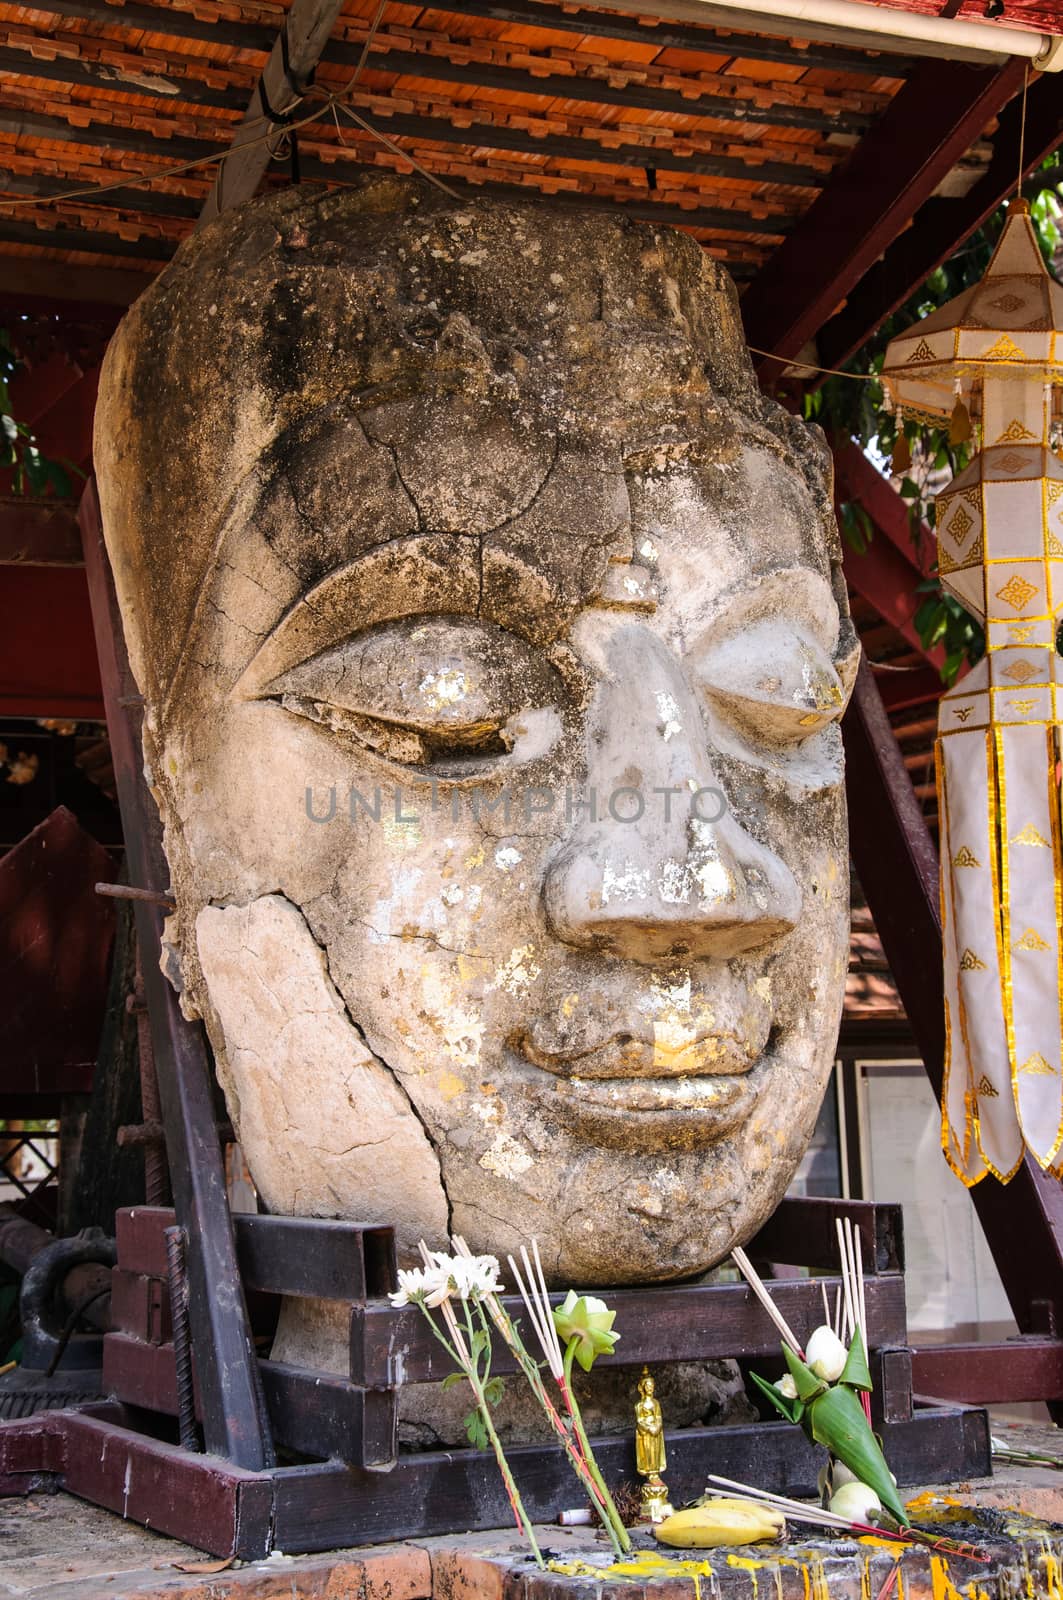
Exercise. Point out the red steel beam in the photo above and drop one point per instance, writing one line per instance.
(39, 533)
(858, 479)
(48, 663)
(990, 1374)
(933, 120)
(887, 580)
(37, 388)
(945, 224)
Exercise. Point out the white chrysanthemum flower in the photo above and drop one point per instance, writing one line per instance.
(468, 1276)
(825, 1354)
(418, 1285)
(787, 1387)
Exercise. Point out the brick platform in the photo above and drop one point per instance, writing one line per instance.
(53, 1547)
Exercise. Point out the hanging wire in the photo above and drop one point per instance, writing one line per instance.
(1022, 130)
(810, 366)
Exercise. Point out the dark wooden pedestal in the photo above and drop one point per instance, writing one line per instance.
(368, 1491)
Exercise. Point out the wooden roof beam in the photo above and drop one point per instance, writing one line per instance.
(285, 77)
(695, 102)
(945, 224)
(933, 120)
(165, 19)
(476, 135)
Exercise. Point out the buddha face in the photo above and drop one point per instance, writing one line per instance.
(490, 638)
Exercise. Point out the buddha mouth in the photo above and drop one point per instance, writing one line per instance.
(662, 1052)
(644, 1093)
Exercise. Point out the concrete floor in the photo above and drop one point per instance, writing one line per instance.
(54, 1547)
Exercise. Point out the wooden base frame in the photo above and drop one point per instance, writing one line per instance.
(204, 1501)
(235, 1499)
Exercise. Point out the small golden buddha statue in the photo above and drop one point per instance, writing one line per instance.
(650, 1457)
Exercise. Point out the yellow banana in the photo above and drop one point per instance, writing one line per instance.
(721, 1522)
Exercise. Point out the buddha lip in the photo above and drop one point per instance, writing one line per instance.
(648, 1113)
(627, 1057)
(713, 1095)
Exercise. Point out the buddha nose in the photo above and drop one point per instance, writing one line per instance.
(656, 866)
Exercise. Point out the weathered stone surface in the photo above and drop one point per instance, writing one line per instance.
(690, 1392)
(465, 527)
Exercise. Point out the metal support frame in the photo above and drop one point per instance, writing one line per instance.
(226, 1369)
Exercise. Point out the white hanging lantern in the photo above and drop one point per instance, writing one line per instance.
(998, 347)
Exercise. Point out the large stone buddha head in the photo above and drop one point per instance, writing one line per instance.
(493, 642)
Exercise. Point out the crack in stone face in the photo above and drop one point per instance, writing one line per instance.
(614, 1037)
(314, 1075)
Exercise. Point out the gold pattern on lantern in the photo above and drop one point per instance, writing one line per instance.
(1012, 462)
(969, 962)
(1015, 432)
(1023, 707)
(1021, 671)
(1030, 836)
(1053, 546)
(965, 857)
(1019, 632)
(1017, 592)
(961, 713)
(1031, 940)
(960, 526)
(1036, 1066)
(986, 1090)
(922, 352)
(1007, 303)
(1004, 349)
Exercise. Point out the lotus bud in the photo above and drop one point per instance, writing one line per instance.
(856, 1502)
(825, 1354)
(786, 1386)
(841, 1474)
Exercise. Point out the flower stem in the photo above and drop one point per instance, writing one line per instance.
(523, 1521)
(616, 1527)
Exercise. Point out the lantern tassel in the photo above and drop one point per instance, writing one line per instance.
(902, 454)
(960, 423)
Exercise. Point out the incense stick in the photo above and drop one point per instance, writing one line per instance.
(749, 1272)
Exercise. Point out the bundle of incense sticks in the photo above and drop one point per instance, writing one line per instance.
(799, 1511)
(851, 1251)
